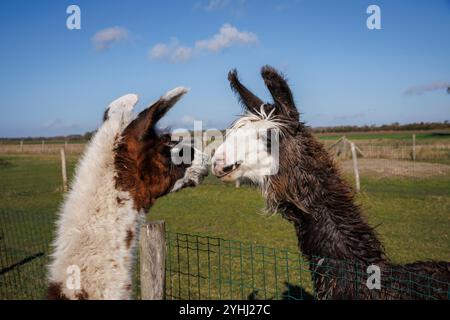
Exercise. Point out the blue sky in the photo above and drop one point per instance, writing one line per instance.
(58, 81)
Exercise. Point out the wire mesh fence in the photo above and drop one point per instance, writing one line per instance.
(24, 247)
(200, 268)
(205, 268)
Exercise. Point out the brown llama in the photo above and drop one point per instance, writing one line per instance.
(303, 183)
(125, 168)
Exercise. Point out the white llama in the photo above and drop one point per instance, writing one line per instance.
(114, 186)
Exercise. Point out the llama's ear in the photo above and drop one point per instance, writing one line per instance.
(146, 120)
(246, 97)
(165, 103)
(121, 107)
(280, 91)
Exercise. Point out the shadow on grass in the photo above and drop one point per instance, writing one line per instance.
(21, 262)
(292, 292)
(5, 164)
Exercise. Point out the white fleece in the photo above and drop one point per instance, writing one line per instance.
(92, 226)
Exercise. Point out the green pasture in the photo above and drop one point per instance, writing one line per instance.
(411, 215)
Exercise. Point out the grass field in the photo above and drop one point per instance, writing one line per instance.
(411, 215)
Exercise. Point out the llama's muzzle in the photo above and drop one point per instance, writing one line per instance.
(221, 171)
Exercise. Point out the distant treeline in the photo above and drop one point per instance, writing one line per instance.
(417, 126)
(72, 137)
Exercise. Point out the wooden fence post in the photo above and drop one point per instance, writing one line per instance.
(64, 169)
(414, 147)
(42, 146)
(345, 141)
(355, 166)
(21, 146)
(153, 260)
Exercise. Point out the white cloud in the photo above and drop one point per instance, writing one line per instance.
(438, 85)
(236, 8)
(159, 51)
(186, 122)
(181, 54)
(215, 5)
(105, 38)
(227, 37)
(164, 50)
(60, 126)
(172, 51)
(187, 119)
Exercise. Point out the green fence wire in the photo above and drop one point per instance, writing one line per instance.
(24, 245)
(201, 267)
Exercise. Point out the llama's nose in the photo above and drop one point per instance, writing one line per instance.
(220, 169)
(217, 168)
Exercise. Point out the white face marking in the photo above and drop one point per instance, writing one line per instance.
(245, 152)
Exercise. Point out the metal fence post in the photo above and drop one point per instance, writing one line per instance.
(152, 260)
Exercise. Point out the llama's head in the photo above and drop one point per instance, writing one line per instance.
(144, 158)
(250, 149)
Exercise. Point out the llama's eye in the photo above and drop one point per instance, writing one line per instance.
(170, 144)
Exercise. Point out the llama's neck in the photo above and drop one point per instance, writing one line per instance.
(96, 230)
(309, 191)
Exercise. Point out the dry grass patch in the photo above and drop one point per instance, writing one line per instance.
(383, 168)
